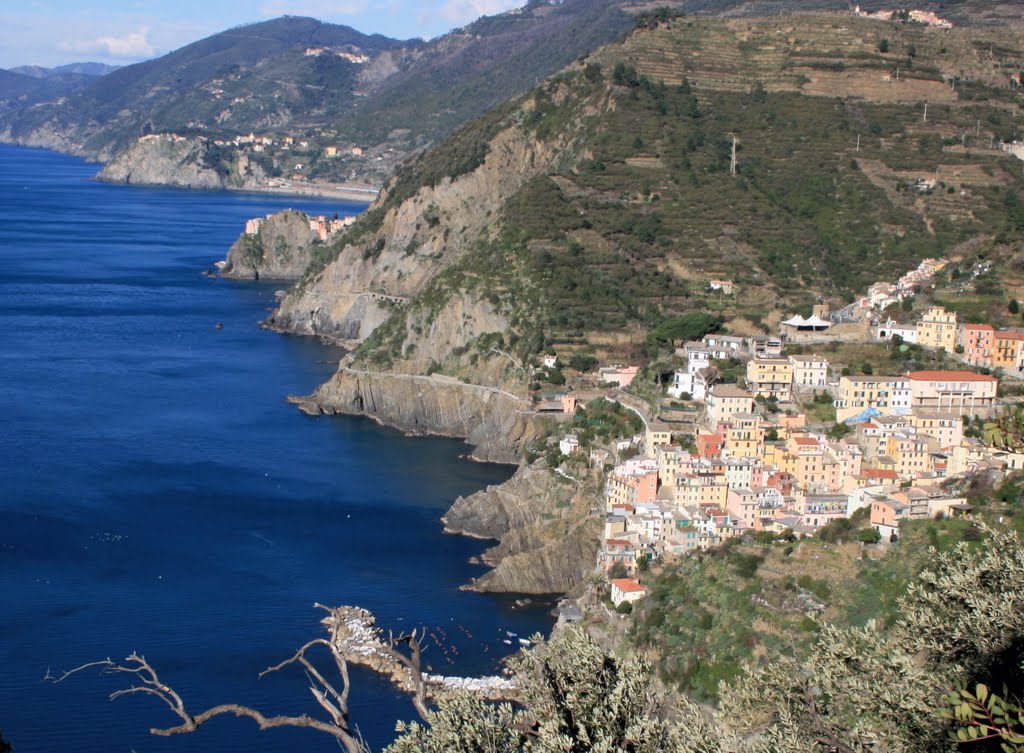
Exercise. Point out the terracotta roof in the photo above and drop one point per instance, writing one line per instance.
(949, 376)
(980, 327)
(880, 473)
(628, 585)
(619, 542)
(806, 441)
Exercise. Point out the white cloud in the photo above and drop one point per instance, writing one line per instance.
(134, 44)
(460, 12)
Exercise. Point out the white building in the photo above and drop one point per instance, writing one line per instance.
(810, 372)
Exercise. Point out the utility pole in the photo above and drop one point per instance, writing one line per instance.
(925, 112)
(732, 164)
(858, 142)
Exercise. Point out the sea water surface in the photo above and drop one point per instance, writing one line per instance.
(159, 495)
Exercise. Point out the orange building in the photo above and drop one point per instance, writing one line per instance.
(1008, 350)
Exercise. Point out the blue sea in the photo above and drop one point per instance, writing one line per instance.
(158, 494)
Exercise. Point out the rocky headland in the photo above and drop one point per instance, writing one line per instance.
(166, 160)
(548, 540)
(280, 249)
(497, 423)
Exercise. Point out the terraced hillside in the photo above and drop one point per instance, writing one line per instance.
(603, 202)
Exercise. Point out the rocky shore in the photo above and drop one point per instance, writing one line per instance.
(497, 423)
(548, 541)
(359, 641)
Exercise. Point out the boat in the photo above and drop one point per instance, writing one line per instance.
(525, 642)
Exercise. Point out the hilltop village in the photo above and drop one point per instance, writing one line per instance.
(794, 442)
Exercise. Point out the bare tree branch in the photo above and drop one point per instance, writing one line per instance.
(332, 700)
(413, 663)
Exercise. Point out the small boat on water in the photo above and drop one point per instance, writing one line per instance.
(510, 634)
(525, 642)
(506, 641)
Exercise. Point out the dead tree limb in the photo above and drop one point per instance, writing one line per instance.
(413, 663)
(332, 697)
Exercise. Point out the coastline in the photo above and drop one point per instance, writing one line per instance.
(355, 193)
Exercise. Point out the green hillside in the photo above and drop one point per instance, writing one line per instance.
(641, 209)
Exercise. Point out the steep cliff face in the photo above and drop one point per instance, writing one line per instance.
(280, 250)
(175, 161)
(416, 240)
(495, 422)
(549, 541)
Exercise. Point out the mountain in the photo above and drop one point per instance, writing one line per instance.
(250, 77)
(323, 83)
(19, 90)
(601, 203)
(83, 69)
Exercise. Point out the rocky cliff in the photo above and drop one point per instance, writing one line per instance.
(410, 236)
(495, 422)
(548, 539)
(280, 250)
(184, 162)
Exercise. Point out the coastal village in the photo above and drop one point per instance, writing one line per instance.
(795, 442)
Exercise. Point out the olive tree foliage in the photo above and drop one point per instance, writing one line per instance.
(867, 690)
(576, 698)
(855, 691)
(968, 607)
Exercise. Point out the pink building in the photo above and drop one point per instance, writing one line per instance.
(621, 376)
(976, 340)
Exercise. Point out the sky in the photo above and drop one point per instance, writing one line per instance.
(119, 32)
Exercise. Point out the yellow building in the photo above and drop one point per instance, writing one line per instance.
(657, 435)
(910, 455)
(890, 396)
(703, 490)
(745, 436)
(937, 329)
(726, 399)
(947, 429)
(770, 377)
(807, 462)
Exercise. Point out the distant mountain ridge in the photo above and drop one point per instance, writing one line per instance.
(302, 76)
(84, 69)
(29, 85)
